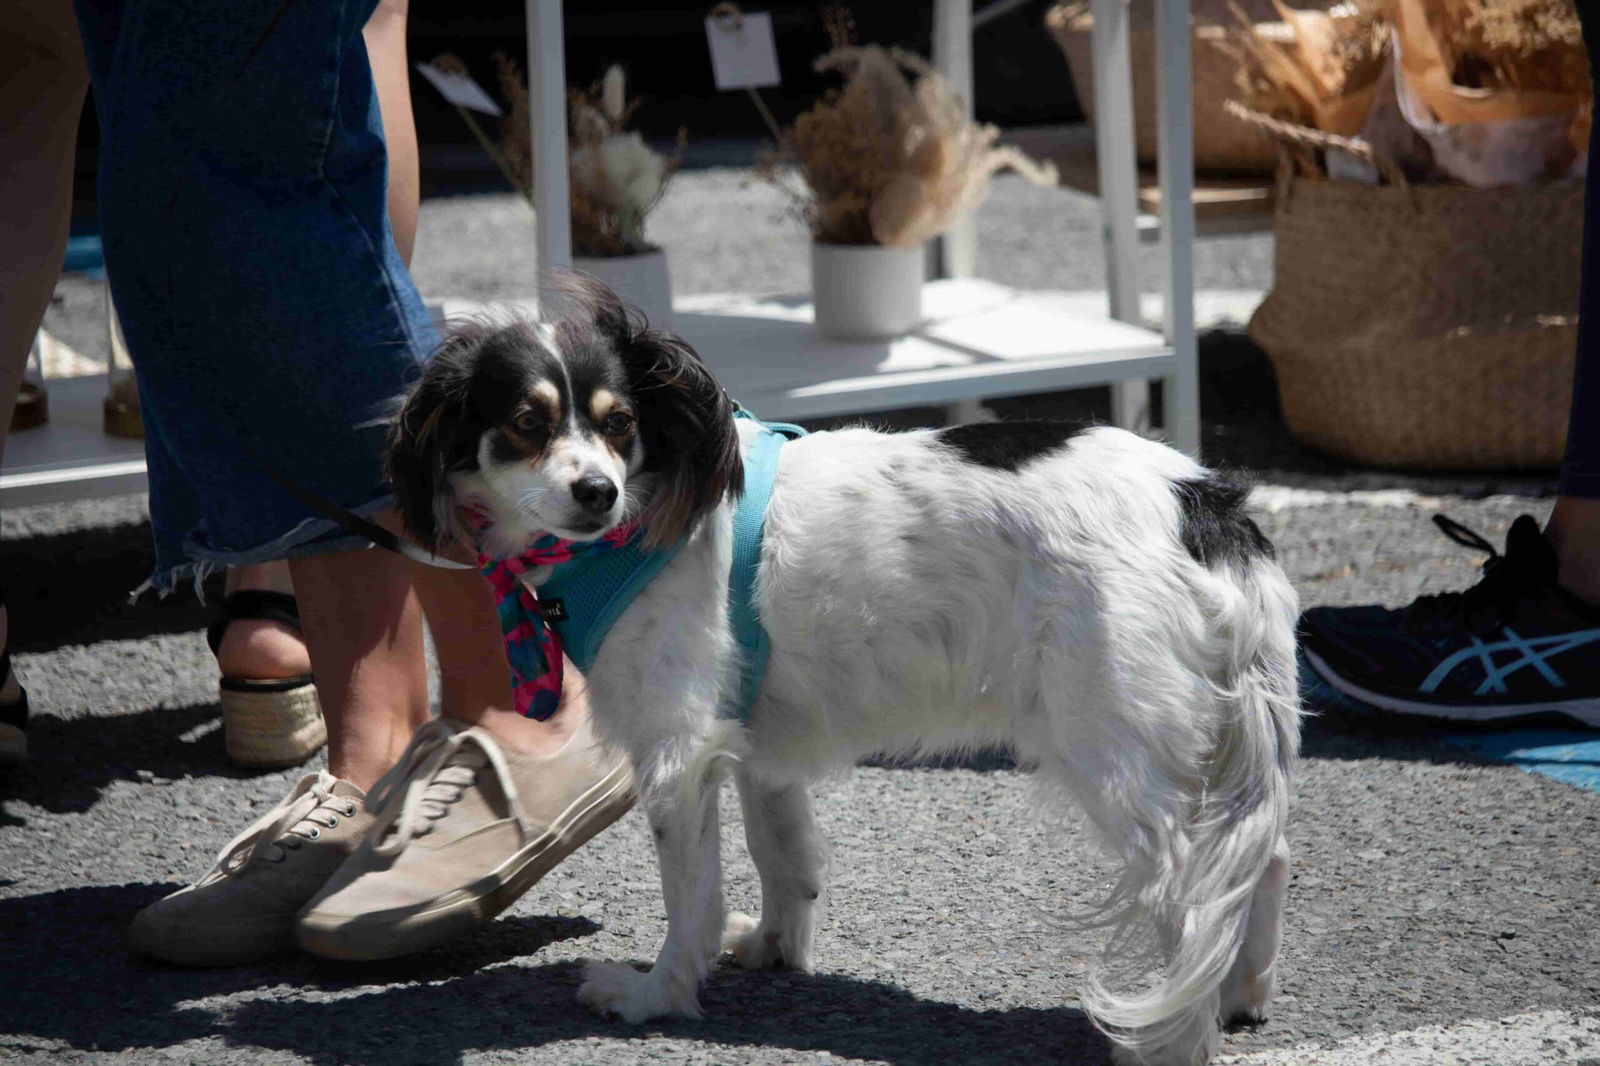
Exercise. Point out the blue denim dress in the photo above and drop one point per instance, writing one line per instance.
(242, 185)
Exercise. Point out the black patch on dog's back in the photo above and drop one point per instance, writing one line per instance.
(1212, 522)
(1008, 445)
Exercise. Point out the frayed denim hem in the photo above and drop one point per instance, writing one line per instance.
(314, 536)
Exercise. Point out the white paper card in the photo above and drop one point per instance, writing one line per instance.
(460, 90)
(742, 52)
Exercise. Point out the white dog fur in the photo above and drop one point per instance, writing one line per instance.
(919, 602)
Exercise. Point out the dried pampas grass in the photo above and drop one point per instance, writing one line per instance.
(1527, 45)
(1475, 60)
(887, 159)
(1323, 74)
(615, 178)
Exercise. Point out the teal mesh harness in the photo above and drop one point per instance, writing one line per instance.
(584, 597)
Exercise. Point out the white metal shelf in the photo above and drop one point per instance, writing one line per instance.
(981, 341)
(1114, 139)
(70, 457)
(978, 340)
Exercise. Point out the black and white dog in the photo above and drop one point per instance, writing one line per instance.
(1096, 602)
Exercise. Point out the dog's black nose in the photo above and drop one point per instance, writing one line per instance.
(595, 493)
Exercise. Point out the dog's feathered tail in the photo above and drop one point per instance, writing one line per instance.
(1194, 883)
(725, 742)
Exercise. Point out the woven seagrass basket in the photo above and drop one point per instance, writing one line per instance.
(1422, 326)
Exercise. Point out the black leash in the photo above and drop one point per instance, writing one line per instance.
(363, 527)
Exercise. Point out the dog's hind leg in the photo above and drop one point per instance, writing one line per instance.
(683, 817)
(1247, 989)
(792, 859)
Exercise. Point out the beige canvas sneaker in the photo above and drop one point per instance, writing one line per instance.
(245, 906)
(464, 828)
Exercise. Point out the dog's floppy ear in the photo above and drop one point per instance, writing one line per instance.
(685, 419)
(686, 422)
(430, 438)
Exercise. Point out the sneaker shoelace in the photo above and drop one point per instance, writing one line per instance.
(1506, 581)
(440, 764)
(310, 808)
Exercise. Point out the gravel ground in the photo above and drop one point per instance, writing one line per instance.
(1429, 888)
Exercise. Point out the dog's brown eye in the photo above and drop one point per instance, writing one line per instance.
(617, 423)
(530, 422)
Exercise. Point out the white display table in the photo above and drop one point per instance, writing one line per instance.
(70, 457)
(981, 340)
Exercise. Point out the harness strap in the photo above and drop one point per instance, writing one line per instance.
(584, 598)
(749, 524)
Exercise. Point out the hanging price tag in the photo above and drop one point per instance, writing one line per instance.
(459, 89)
(742, 52)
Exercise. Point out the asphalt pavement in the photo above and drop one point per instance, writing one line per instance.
(1443, 906)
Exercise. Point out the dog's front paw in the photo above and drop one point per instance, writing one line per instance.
(755, 947)
(615, 989)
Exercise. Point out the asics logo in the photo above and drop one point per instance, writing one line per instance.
(1535, 653)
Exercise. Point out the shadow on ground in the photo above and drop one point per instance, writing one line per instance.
(72, 760)
(85, 990)
(74, 588)
(1243, 428)
(527, 1007)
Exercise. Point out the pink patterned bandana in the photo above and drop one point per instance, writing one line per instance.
(533, 648)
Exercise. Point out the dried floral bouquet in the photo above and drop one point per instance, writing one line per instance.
(889, 159)
(615, 178)
(1484, 92)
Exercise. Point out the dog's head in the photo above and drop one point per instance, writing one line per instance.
(569, 428)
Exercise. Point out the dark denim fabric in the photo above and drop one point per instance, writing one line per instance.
(242, 200)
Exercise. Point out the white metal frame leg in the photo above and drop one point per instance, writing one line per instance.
(1176, 148)
(1119, 191)
(547, 130)
(955, 254)
(957, 251)
(963, 412)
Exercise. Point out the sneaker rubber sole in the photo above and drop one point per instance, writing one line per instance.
(1583, 711)
(172, 942)
(390, 934)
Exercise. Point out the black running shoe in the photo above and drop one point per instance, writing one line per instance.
(1514, 645)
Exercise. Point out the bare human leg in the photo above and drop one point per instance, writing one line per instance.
(1574, 532)
(41, 96)
(363, 631)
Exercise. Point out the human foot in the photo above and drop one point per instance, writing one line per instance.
(270, 712)
(464, 827)
(13, 701)
(1516, 644)
(244, 907)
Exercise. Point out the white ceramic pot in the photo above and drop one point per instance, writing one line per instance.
(641, 280)
(866, 291)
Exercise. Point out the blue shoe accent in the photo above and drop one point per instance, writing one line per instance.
(1515, 645)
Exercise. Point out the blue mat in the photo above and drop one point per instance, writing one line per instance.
(1571, 756)
(84, 256)
(1567, 755)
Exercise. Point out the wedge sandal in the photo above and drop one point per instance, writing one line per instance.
(13, 713)
(269, 723)
(13, 719)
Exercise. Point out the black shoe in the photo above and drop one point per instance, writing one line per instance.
(13, 714)
(1514, 645)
